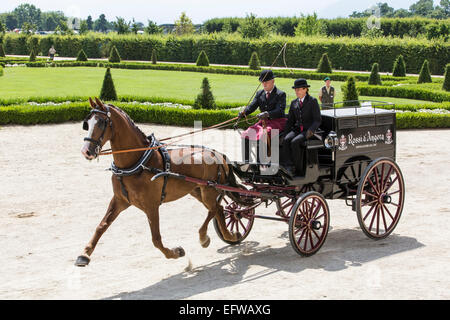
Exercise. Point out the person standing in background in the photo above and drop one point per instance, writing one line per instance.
(327, 94)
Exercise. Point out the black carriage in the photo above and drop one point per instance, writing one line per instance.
(351, 157)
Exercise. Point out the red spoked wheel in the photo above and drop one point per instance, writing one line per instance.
(309, 223)
(380, 198)
(238, 219)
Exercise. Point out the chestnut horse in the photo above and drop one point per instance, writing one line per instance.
(109, 123)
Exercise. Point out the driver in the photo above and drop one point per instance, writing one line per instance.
(271, 102)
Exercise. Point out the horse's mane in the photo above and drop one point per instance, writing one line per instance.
(130, 121)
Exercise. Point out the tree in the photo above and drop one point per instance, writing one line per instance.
(350, 92)
(205, 99)
(152, 28)
(82, 56)
(252, 27)
(83, 27)
(399, 69)
(310, 25)
(134, 27)
(108, 91)
(90, 23)
(184, 25)
(422, 8)
(2, 50)
(27, 13)
(101, 24)
(202, 59)
(11, 22)
(254, 63)
(154, 60)
(114, 56)
(375, 78)
(324, 65)
(446, 85)
(2, 27)
(121, 26)
(32, 56)
(424, 75)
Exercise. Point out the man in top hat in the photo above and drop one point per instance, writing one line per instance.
(327, 93)
(271, 102)
(303, 120)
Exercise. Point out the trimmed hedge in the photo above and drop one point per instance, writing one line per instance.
(346, 53)
(281, 73)
(402, 92)
(27, 115)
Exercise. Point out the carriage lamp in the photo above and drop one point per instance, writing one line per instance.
(331, 140)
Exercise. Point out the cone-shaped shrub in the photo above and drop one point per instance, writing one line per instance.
(254, 63)
(114, 55)
(399, 69)
(375, 78)
(2, 50)
(350, 92)
(424, 75)
(108, 90)
(202, 60)
(205, 99)
(154, 60)
(32, 55)
(324, 64)
(446, 85)
(82, 56)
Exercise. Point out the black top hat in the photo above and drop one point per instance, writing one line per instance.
(300, 83)
(266, 75)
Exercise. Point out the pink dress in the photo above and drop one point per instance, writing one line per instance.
(256, 131)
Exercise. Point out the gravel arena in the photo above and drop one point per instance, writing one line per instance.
(52, 199)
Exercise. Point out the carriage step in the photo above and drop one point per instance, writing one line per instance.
(352, 204)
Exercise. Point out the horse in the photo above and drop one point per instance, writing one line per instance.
(107, 122)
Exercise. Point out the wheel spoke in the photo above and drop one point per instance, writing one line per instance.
(367, 214)
(371, 183)
(388, 212)
(373, 218)
(392, 183)
(243, 227)
(369, 203)
(376, 179)
(384, 219)
(311, 240)
(387, 176)
(390, 194)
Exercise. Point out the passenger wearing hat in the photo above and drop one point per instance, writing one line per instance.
(271, 102)
(303, 120)
(326, 93)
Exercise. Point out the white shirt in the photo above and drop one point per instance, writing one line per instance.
(302, 99)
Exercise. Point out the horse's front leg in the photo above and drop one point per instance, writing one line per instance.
(116, 206)
(153, 220)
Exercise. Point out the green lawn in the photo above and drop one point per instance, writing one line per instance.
(21, 82)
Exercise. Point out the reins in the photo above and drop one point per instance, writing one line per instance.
(216, 126)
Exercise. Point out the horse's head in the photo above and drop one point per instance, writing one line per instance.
(98, 124)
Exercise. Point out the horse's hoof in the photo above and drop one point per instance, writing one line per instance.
(180, 252)
(82, 261)
(206, 243)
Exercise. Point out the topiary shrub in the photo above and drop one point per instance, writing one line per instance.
(114, 56)
(108, 91)
(446, 85)
(2, 51)
(254, 63)
(154, 60)
(202, 59)
(399, 69)
(32, 56)
(324, 64)
(424, 75)
(375, 78)
(350, 92)
(82, 56)
(205, 99)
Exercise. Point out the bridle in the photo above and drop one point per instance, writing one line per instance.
(102, 124)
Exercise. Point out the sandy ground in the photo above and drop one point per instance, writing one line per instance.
(51, 200)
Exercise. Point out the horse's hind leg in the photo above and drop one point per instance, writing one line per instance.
(204, 239)
(116, 206)
(153, 220)
(209, 199)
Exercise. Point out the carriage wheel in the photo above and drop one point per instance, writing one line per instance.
(309, 223)
(380, 198)
(238, 219)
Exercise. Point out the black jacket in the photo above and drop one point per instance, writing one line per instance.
(308, 116)
(275, 105)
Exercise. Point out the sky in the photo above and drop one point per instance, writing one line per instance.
(167, 11)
